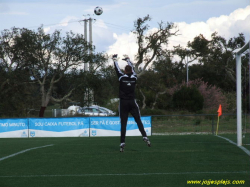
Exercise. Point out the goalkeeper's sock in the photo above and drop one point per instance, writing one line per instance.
(122, 145)
(146, 140)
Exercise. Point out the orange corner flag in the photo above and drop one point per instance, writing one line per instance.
(219, 114)
(219, 111)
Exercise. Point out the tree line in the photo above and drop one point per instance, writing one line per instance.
(39, 69)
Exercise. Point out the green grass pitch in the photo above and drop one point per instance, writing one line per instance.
(172, 161)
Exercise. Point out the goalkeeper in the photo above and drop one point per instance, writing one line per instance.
(127, 100)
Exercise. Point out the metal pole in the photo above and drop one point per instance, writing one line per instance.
(85, 29)
(86, 68)
(245, 96)
(239, 99)
(90, 31)
(90, 38)
(91, 92)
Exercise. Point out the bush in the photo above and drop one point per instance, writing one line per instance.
(212, 95)
(188, 98)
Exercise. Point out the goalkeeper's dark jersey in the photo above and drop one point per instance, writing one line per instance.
(127, 82)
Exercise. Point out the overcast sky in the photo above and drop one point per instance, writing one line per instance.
(112, 29)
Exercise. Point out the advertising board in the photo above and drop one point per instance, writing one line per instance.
(59, 127)
(110, 126)
(14, 128)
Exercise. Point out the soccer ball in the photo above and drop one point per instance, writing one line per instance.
(98, 10)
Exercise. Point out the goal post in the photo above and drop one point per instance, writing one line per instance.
(238, 54)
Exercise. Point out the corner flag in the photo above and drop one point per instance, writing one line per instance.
(219, 114)
(219, 111)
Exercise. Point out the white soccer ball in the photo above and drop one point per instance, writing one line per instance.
(98, 10)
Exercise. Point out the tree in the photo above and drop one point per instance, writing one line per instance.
(216, 59)
(49, 57)
(156, 81)
(87, 84)
(15, 88)
(101, 82)
(151, 45)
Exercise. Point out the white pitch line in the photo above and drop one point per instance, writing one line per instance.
(124, 174)
(241, 147)
(15, 154)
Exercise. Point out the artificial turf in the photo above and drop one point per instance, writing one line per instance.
(172, 161)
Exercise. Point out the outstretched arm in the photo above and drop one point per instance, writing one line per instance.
(117, 68)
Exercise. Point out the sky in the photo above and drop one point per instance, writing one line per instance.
(112, 30)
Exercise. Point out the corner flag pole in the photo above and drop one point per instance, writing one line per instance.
(217, 125)
(219, 114)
